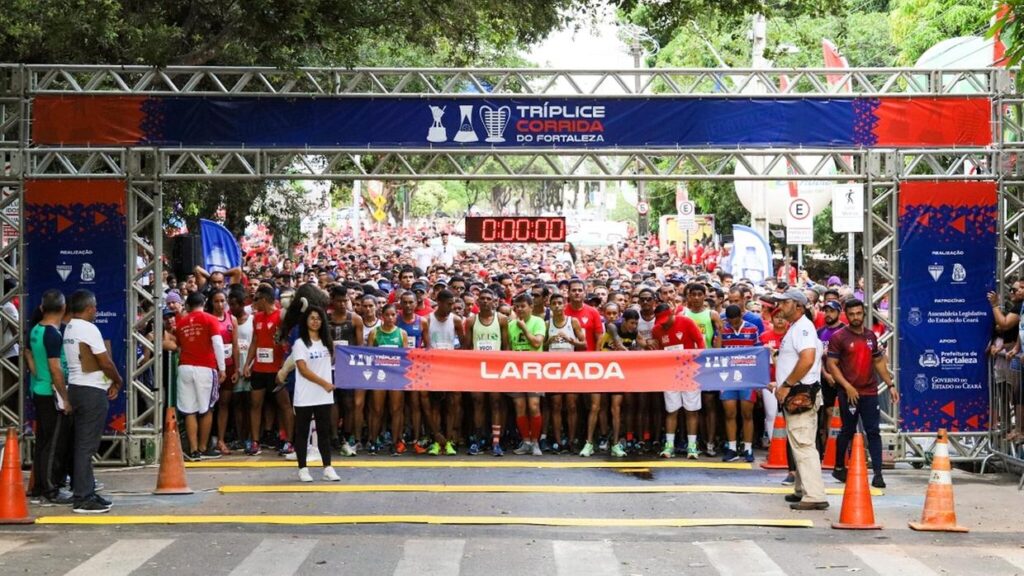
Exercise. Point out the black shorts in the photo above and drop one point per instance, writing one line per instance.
(261, 381)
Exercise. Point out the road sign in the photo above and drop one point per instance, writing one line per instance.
(642, 208)
(687, 217)
(379, 215)
(848, 208)
(799, 223)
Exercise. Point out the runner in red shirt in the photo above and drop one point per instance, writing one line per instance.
(200, 369)
(592, 323)
(772, 339)
(677, 332)
(265, 358)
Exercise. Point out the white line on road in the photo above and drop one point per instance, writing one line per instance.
(8, 545)
(121, 557)
(430, 558)
(740, 558)
(1014, 556)
(585, 558)
(276, 557)
(891, 560)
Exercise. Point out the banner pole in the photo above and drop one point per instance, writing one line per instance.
(850, 263)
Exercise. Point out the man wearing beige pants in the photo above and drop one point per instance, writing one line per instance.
(797, 369)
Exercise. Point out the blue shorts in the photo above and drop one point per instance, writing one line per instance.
(745, 395)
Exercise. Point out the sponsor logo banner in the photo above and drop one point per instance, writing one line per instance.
(948, 241)
(475, 371)
(468, 122)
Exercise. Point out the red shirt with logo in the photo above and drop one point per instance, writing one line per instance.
(194, 331)
(591, 322)
(269, 354)
(683, 332)
(773, 341)
(856, 354)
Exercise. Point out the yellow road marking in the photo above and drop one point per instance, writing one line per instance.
(518, 489)
(479, 463)
(304, 520)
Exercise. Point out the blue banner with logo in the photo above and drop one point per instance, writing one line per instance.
(76, 238)
(947, 239)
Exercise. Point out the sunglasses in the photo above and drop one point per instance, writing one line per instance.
(646, 299)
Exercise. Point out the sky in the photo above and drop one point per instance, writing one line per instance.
(592, 47)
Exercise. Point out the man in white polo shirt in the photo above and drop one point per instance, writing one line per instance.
(93, 381)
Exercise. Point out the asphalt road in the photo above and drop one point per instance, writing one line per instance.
(990, 506)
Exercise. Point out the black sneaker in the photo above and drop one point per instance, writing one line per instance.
(102, 500)
(211, 454)
(59, 498)
(877, 481)
(839, 474)
(193, 456)
(793, 498)
(90, 506)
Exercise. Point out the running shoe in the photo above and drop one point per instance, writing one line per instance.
(536, 450)
(748, 456)
(97, 486)
(35, 498)
(668, 451)
(330, 475)
(211, 454)
(400, 448)
(554, 448)
(730, 455)
(62, 497)
(372, 448)
(618, 451)
(681, 450)
(286, 449)
(839, 474)
(254, 449)
(102, 500)
(194, 456)
(449, 449)
(435, 449)
(710, 450)
(474, 449)
(346, 449)
(548, 446)
(789, 480)
(304, 475)
(692, 453)
(588, 450)
(766, 441)
(877, 481)
(497, 451)
(419, 448)
(640, 447)
(602, 445)
(90, 506)
(524, 448)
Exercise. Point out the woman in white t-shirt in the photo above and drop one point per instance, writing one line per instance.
(314, 392)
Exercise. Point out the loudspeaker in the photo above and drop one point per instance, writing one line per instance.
(186, 253)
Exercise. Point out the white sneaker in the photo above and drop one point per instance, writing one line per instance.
(536, 450)
(346, 449)
(330, 475)
(304, 475)
(312, 455)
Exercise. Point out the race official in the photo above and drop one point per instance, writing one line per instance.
(798, 368)
(854, 357)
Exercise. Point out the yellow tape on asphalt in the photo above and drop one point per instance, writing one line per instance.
(296, 520)
(478, 463)
(514, 488)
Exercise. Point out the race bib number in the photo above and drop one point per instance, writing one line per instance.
(675, 347)
(562, 347)
(487, 345)
(444, 346)
(243, 348)
(265, 355)
(388, 346)
(342, 342)
(228, 348)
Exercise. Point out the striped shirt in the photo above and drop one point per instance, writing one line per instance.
(745, 335)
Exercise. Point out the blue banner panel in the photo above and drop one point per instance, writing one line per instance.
(76, 237)
(947, 236)
(549, 372)
(481, 122)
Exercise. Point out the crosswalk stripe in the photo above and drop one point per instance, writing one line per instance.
(891, 560)
(8, 545)
(121, 557)
(430, 558)
(276, 557)
(590, 558)
(743, 557)
(1014, 556)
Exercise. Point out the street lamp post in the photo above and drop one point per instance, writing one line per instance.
(637, 36)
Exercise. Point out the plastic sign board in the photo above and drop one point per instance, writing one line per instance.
(799, 222)
(848, 208)
(687, 217)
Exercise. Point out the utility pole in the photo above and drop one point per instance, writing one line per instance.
(759, 37)
(641, 188)
(357, 200)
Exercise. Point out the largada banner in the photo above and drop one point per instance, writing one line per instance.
(75, 237)
(474, 122)
(947, 236)
(476, 371)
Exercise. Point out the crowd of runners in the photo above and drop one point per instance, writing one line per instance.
(279, 315)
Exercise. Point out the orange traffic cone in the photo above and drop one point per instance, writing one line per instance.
(939, 514)
(858, 512)
(13, 504)
(835, 426)
(171, 479)
(777, 458)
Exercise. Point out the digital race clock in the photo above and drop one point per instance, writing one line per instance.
(527, 229)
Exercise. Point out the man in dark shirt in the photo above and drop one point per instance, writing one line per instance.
(854, 356)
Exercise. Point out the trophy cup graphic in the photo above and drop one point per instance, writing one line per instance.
(466, 132)
(437, 133)
(495, 121)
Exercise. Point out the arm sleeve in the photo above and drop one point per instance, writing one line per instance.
(218, 351)
(52, 342)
